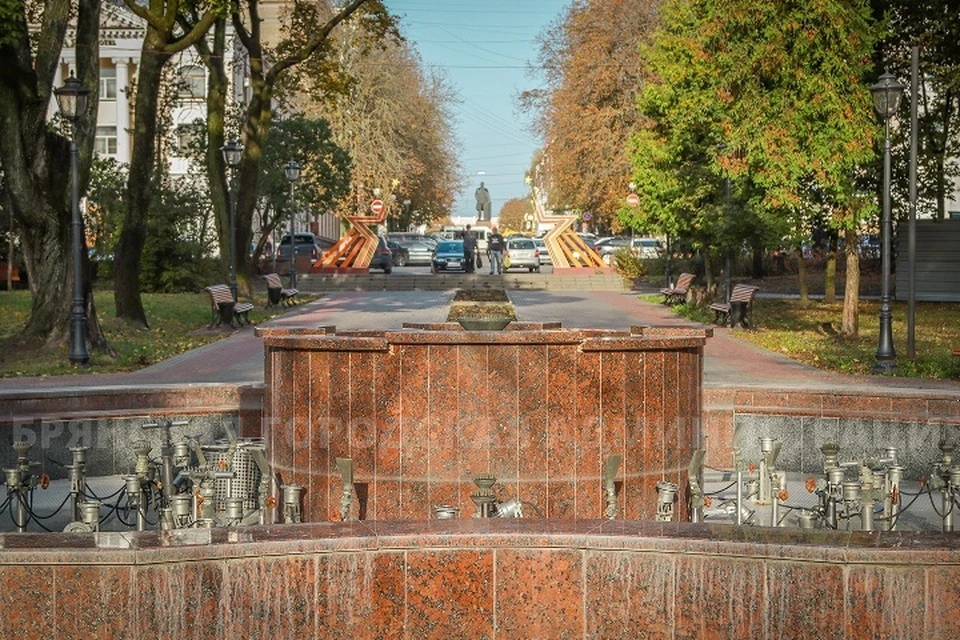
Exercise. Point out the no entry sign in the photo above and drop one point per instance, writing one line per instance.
(633, 199)
(377, 206)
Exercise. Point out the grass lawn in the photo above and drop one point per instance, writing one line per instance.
(809, 334)
(178, 323)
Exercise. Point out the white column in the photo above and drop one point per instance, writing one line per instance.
(123, 110)
(53, 107)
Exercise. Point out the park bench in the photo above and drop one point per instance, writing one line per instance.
(737, 309)
(276, 293)
(224, 309)
(678, 292)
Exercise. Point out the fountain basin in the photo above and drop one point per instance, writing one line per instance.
(423, 410)
(473, 578)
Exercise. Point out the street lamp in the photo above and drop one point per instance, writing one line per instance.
(292, 172)
(232, 154)
(886, 99)
(72, 101)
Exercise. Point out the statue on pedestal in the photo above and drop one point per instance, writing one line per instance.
(483, 203)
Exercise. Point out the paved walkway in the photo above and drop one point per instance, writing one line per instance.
(729, 362)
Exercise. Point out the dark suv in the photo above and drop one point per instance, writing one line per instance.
(382, 257)
(309, 248)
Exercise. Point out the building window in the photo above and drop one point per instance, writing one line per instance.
(186, 136)
(108, 83)
(193, 82)
(106, 143)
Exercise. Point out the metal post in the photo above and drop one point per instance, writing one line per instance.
(78, 317)
(233, 233)
(912, 222)
(293, 240)
(727, 286)
(667, 270)
(886, 355)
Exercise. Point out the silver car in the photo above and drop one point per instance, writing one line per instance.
(542, 248)
(523, 253)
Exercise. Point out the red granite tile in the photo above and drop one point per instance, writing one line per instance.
(386, 492)
(97, 600)
(388, 605)
(316, 494)
(269, 597)
(363, 427)
(718, 432)
(854, 405)
(33, 585)
(561, 432)
(180, 600)
(532, 425)
(444, 436)
(279, 438)
(473, 414)
(588, 436)
(943, 408)
(654, 446)
(338, 428)
(415, 432)
(502, 398)
(673, 453)
(629, 595)
(885, 602)
(908, 408)
(796, 594)
(539, 594)
(299, 374)
(720, 598)
(363, 596)
(942, 602)
(633, 466)
(613, 421)
(449, 594)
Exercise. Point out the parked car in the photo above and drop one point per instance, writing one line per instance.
(448, 256)
(308, 250)
(523, 253)
(646, 248)
(419, 252)
(382, 257)
(400, 254)
(542, 248)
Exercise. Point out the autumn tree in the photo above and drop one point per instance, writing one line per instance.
(396, 123)
(592, 69)
(513, 213)
(771, 98)
(36, 156)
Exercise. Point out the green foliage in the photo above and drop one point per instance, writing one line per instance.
(628, 264)
(176, 256)
(768, 97)
(179, 324)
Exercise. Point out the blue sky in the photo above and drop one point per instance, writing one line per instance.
(484, 49)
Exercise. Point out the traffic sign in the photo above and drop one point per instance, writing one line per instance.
(377, 206)
(633, 199)
(587, 216)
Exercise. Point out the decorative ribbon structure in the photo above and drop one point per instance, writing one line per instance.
(567, 249)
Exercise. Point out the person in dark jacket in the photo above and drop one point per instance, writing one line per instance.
(469, 249)
(496, 247)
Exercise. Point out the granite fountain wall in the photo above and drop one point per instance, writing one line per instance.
(424, 410)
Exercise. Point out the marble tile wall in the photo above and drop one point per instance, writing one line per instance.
(422, 413)
(484, 579)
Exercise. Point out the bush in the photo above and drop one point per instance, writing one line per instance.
(628, 265)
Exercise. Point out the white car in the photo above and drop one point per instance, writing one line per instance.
(523, 253)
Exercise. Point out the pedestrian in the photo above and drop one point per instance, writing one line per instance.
(496, 246)
(469, 249)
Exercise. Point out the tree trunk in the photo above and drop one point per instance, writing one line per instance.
(851, 291)
(126, 269)
(802, 278)
(37, 169)
(830, 273)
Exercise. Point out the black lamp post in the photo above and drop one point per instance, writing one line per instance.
(886, 99)
(72, 101)
(292, 172)
(232, 154)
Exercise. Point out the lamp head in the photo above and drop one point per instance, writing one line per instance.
(292, 171)
(232, 153)
(886, 95)
(71, 98)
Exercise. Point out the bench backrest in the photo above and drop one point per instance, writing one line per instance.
(219, 293)
(684, 282)
(743, 293)
(273, 281)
